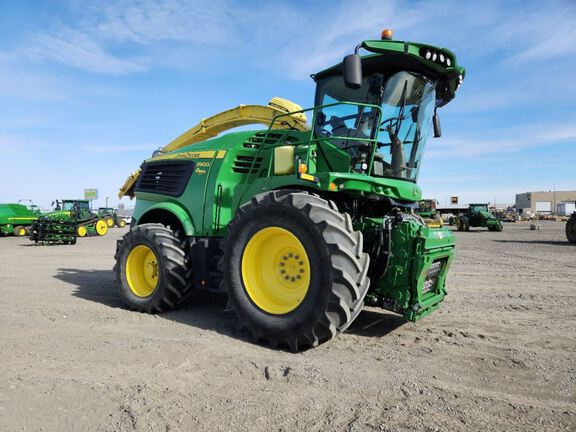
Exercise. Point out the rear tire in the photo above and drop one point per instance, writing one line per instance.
(332, 256)
(141, 289)
(571, 229)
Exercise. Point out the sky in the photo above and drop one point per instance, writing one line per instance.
(90, 89)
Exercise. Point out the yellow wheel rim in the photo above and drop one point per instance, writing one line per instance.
(275, 270)
(110, 222)
(122, 224)
(142, 271)
(21, 232)
(81, 231)
(101, 227)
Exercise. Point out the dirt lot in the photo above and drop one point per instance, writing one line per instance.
(499, 355)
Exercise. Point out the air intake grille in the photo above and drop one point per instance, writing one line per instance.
(243, 164)
(256, 140)
(166, 178)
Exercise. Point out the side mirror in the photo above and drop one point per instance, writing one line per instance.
(437, 128)
(352, 71)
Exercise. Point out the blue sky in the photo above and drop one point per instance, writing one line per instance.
(89, 89)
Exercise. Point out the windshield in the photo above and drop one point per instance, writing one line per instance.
(70, 205)
(479, 207)
(407, 103)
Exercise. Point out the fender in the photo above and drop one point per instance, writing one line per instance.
(175, 210)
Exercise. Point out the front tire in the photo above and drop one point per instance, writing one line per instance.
(294, 269)
(101, 227)
(152, 271)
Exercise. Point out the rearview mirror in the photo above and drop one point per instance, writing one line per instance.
(352, 71)
(437, 128)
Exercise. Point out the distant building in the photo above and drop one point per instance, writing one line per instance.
(543, 202)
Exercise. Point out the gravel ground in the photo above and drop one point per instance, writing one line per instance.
(499, 355)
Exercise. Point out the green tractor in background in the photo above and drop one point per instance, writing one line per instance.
(477, 215)
(16, 219)
(571, 228)
(70, 219)
(300, 224)
(110, 215)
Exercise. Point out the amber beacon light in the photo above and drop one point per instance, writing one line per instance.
(386, 34)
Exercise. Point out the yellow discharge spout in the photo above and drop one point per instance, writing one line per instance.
(240, 116)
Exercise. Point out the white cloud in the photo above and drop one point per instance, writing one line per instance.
(76, 49)
(508, 140)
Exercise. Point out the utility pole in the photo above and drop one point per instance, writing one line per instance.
(106, 202)
(554, 195)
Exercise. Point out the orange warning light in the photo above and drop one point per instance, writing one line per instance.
(386, 34)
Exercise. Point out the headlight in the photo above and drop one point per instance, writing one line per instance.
(432, 276)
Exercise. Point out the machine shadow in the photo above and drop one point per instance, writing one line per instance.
(203, 309)
(544, 242)
(207, 310)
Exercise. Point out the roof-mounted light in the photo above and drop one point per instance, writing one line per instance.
(386, 34)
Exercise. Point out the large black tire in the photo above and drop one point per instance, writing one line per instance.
(174, 273)
(571, 229)
(19, 231)
(338, 268)
(460, 225)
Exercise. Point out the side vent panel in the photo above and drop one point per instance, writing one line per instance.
(246, 164)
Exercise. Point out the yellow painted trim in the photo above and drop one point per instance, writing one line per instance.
(209, 154)
(308, 177)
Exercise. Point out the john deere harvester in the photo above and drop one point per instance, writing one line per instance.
(477, 215)
(70, 219)
(16, 219)
(299, 224)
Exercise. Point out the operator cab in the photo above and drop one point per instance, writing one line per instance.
(391, 113)
(382, 119)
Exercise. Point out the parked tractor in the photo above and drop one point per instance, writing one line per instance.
(16, 219)
(427, 211)
(110, 215)
(299, 224)
(571, 228)
(70, 219)
(477, 215)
